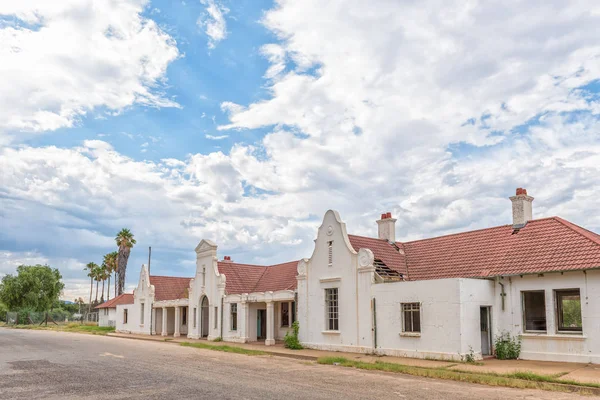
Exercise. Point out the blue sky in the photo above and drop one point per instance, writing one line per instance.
(244, 121)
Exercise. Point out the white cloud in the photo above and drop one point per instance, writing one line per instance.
(213, 22)
(95, 56)
(219, 137)
(372, 119)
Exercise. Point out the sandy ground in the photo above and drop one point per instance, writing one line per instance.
(59, 365)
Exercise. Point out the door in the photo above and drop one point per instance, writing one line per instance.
(261, 324)
(486, 331)
(204, 317)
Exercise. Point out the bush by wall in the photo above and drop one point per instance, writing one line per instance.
(507, 347)
(291, 340)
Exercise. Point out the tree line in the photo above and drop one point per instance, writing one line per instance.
(37, 288)
(114, 264)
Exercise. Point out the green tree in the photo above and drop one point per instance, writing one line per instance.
(36, 287)
(125, 241)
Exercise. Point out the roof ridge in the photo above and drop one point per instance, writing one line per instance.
(474, 230)
(166, 276)
(591, 236)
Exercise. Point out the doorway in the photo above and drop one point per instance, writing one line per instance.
(261, 324)
(486, 331)
(204, 317)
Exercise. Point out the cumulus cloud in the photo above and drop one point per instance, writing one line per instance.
(216, 137)
(62, 60)
(213, 23)
(435, 112)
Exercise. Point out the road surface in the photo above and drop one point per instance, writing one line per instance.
(59, 365)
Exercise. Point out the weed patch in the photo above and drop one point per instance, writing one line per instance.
(225, 348)
(520, 380)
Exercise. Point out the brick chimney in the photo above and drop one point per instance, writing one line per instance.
(521, 208)
(386, 227)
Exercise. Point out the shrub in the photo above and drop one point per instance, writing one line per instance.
(507, 347)
(470, 356)
(291, 341)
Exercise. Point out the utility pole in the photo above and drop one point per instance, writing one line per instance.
(149, 254)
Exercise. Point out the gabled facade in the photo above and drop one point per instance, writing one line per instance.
(445, 297)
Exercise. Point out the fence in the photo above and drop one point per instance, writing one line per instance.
(25, 317)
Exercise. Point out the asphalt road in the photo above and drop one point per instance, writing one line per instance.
(58, 365)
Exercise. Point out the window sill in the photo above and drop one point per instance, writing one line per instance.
(410, 334)
(559, 336)
(330, 332)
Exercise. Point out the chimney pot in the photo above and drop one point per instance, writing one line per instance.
(388, 215)
(227, 258)
(383, 216)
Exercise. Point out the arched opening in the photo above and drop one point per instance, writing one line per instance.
(203, 317)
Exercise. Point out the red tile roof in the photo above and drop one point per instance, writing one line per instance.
(543, 245)
(125, 298)
(245, 278)
(170, 287)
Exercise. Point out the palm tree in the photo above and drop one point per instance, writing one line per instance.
(125, 241)
(91, 268)
(110, 264)
(97, 275)
(102, 274)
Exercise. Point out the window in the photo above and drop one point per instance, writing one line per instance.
(125, 316)
(330, 255)
(285, 314)
(534, 311)
(142, 313)
(331, 309)
(568, 310)
(203, 275)
(195, 319)
(293, 311)
(216, 316)
(106, 311)
(184, 316)
(233, 312)
(411, 317)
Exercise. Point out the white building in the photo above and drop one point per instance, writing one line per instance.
(107, 311)
(442, 297)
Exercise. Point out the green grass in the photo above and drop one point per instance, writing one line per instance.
(72, 327)
(225, 348)
(521, 380)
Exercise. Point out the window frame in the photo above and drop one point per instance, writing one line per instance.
(281, 314)
(409, 308)
(184, 316)
(125, 315)
(332, 311)
(524, 311)
(558, 293)
(233, 315)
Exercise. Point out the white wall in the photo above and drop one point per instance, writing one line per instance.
(210, 284)
(144, 293)
(552, 345)
(316, 275)
(106, 315)
(440, 335)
